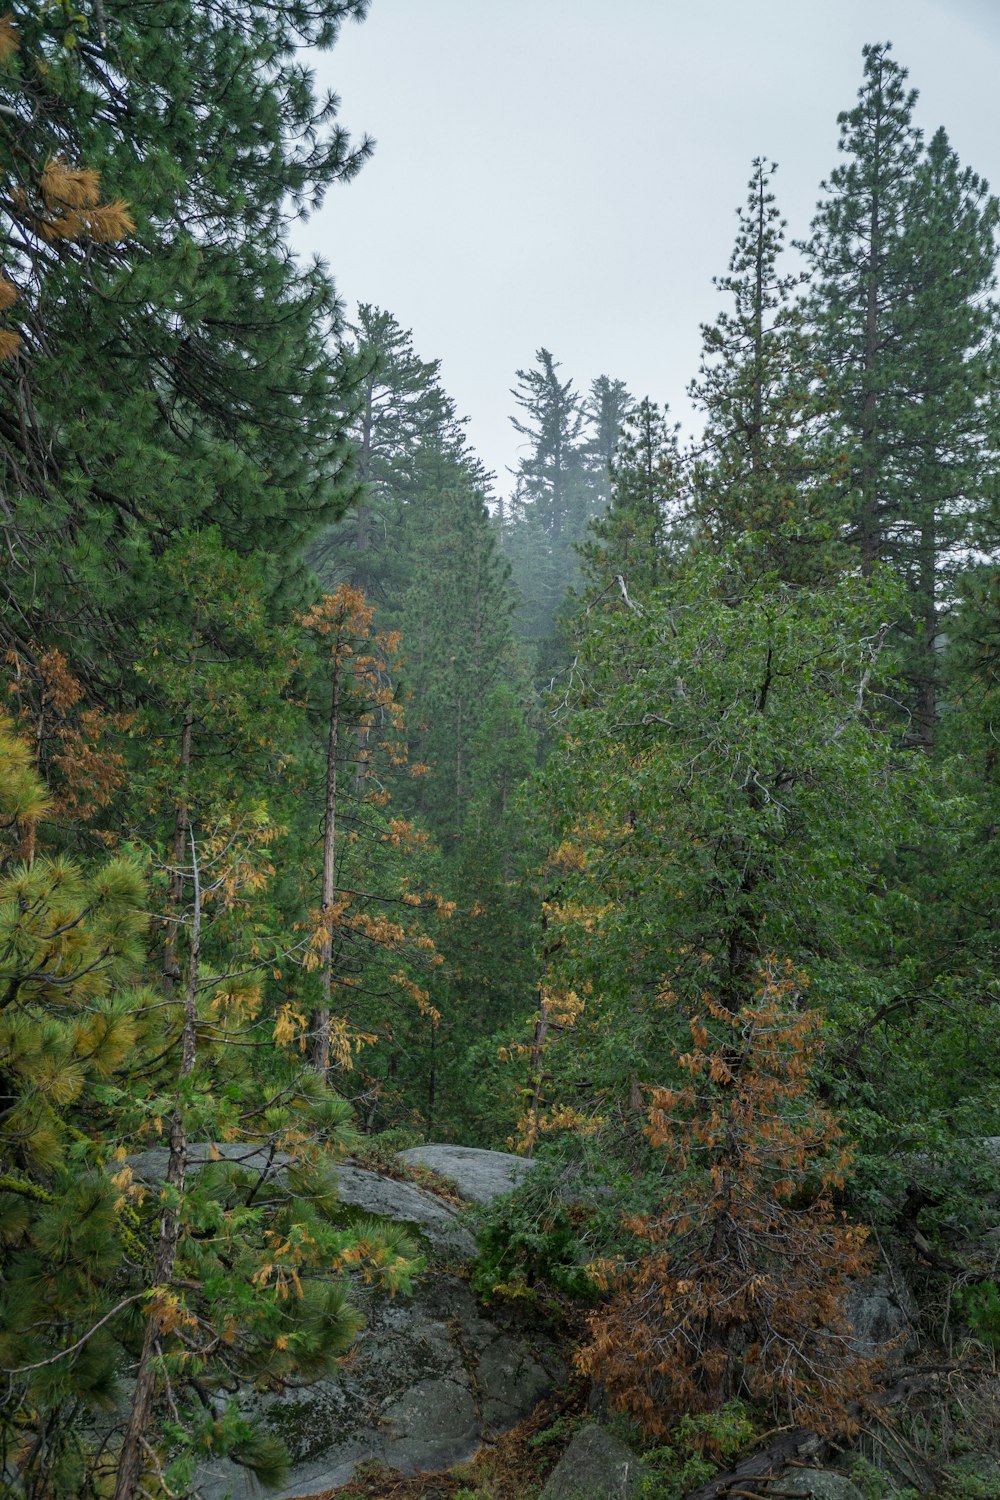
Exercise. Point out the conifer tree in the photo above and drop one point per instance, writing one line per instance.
(551, 503)
(175, 364)
(903, 252)
(707, 807)
(608, 407)
(859, 282)
(949, 423)
(402, 413)
(737, 1285)
(758, 474)
(455, 617)
(97, 1273)
(632, 540)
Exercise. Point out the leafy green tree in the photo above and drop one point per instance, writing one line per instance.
(709, 806)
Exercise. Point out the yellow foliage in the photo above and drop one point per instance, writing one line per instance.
(9, 43)
(290, 1027)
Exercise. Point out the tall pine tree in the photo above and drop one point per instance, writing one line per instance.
(759, 473)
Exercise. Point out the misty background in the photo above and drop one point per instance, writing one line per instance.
(566, 172)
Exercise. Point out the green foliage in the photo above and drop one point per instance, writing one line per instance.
(562, 484)
(979, 1306)
(679, 1465)
(875, 1484)
(761, 483)
(178, 362)
(710, 804)
(530, 1250)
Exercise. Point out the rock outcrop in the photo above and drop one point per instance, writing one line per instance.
(477, 1176)
(595, 1466)
(430, 1376)
(428, 1380)
(434, 1222)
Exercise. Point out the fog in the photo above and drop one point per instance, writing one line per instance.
(565, 172)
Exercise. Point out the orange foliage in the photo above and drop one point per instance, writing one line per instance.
(741, 1292)
(82, 772)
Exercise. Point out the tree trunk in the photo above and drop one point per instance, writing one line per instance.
(927, 609)
(175, 897)
(130, 1464)
(321, 1034)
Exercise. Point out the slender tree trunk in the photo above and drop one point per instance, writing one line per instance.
(868, 533)
(432, 1081)
(130, 1460)
(175, 896)
(362, 527)
(321, 1034)
(757, 410)
(927, 607)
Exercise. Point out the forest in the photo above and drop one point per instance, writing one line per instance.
(637, 813)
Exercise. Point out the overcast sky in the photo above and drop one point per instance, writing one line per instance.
(565, 172)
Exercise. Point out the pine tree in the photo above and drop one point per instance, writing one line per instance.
(176, 365)
(949, 424)
(633, 540)
(904, 254)
(402, 414)
(551, 504)
(608, 407)
(710, 803)
(455, 616)
(736, 1288)
(859, 280)
(758, 476)
(489, 943)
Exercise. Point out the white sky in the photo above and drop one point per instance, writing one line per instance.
(565, 172)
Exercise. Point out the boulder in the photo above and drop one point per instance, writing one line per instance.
(478, 1176)
(151, 1166)
(430, 1377)
(433, 1220)
(883, 1314)
(595, 1466)
(428, 1380)
(818, 1484)
(403, 1203)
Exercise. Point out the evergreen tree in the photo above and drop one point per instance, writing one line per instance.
(608, 407)
(455, 616)
(759, 470)
(175, 364)
(859, 282)
(903, 251)
(738, 1291)
(711, 805)
(948, 424)
(551, 504)
(402, 415)
(489, 942)
(632, 541)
